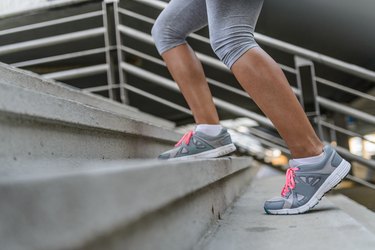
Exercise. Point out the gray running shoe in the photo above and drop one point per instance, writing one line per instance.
(195, 144)
(306, 184)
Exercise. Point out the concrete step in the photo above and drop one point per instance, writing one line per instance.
(362, 214)
(147, 204)
(246, 226)
(32, 81)
(35, 125)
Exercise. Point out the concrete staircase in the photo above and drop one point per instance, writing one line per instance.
(45, 120)
(79, 172)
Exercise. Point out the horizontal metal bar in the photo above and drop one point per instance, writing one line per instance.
(267, 136)
(210, 61)
(200, 38)
(101, 88)
(360, 181)
(136, 34)
(343, 130)
(157, 99)
(344, 88)
(228, 88)
(347, 155)
(59, 57)
(153, 3)
(167, 83)
(346, 110)
(173, 86)
(77, 73)
(295, 50)
(271, 144)
(296, 91)
(51, 22)
(136, 16)
(316, 57)
(38, 43)
(287, 68)
(143, 55)
(265, 141)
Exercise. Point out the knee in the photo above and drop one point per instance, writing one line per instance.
(165, 37)
(230, 46)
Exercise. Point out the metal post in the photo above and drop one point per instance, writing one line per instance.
(306, 83)
(114, 57)
(342, 139)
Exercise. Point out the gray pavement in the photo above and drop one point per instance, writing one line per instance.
(246, 226)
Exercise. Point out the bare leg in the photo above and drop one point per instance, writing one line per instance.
(187, 71)
(265, 82)
(263, 79)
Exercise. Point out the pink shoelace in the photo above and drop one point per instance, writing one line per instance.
(290, 183)
(186, 138)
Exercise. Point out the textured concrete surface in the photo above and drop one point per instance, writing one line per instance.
(362, 214)
(180, 224)
(246, 226)
(32, 81)
(63, 210)
(34, 125)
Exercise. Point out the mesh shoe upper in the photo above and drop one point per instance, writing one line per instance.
(307, 180)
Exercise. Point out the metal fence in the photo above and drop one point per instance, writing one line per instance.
(114, 32)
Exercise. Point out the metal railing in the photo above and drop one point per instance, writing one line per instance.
(114, 31)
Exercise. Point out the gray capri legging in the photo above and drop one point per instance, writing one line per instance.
(231, 25)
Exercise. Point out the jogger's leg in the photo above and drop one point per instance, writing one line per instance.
(179, 19)
(231, 25)
(265, 82)
(187, 71)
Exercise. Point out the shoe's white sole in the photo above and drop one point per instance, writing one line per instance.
(335, 178)
(216, 152)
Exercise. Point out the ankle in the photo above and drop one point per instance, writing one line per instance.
(303, 151)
